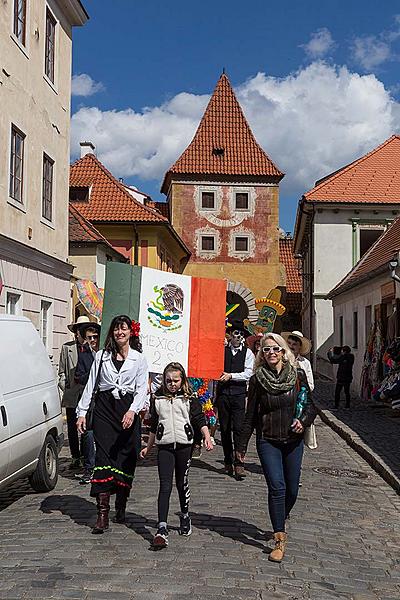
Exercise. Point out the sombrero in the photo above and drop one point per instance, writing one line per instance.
(305, 342)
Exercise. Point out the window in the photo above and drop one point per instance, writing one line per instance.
(341, 331)
(45, 307)
(50, 45)
(242, 201)
(13, 304)
(207, 200)
(16, 164)
(241, 244)
(368, 236)
(47, 191)
(355, 330)
(78, 194)
(208, 243)
(19, 25)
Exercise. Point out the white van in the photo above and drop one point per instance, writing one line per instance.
(31, 424)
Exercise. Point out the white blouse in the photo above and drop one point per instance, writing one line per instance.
(132, 378)
(305, 364)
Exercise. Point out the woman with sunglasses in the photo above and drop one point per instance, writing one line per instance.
(122, 375)
(279, 407)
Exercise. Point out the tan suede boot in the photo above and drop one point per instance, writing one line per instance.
(278, 552)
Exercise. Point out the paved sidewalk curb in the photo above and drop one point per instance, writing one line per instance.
(355, 442)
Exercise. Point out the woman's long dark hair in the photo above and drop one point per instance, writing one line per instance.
(175, 366)
(110, 344)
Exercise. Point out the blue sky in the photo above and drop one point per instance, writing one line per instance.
(318, 82)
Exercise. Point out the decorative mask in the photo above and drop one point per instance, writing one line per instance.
(237, 338)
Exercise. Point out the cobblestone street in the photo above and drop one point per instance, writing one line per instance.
(344, 537)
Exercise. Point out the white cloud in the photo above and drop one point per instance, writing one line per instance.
(84, 85)
(320, 44)
(371, 51)
(310, 123)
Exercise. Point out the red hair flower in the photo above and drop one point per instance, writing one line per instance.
(135, 328)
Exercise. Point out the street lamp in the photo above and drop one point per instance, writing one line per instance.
(393, 264)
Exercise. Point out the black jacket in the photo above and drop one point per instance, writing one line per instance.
(85, 361)
(345, 370)
(272, 415)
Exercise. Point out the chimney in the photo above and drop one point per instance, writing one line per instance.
(87, 148)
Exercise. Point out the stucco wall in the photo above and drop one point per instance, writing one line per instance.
(356, 300)
(259, 269)
(41, 110)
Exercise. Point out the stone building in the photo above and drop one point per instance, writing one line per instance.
(223, 197)
(35, 95)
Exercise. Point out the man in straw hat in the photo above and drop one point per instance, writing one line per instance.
(231, 395)
(300, 346)
(70, 389)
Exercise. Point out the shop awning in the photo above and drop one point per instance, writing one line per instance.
(91, 297)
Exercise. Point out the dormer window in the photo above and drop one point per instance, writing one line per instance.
(218, 151)
(208, 200)
(78, 194)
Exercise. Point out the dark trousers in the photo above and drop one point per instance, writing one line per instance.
(338, 391)
(88, 450)
(172, 459)
(281, 463)
(73, 438)
(231, 411)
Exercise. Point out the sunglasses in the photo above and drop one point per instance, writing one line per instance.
(274, 349)
(92, 337)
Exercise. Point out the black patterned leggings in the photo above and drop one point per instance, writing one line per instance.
(172, 459)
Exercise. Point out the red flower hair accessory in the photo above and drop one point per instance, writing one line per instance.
(135, 328)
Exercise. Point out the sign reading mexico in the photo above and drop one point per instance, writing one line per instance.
(182, 318)
(164, 317)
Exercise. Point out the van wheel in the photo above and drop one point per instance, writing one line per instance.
(44, 478)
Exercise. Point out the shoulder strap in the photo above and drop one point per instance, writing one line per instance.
(96, 383)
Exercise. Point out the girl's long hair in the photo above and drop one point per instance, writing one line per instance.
(175, 366)
(111, 345)
(279, 341)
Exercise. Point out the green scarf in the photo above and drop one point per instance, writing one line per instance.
(274, 382)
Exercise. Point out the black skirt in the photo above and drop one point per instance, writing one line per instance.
(116, 448)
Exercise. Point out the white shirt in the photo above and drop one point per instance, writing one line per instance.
(248, 364)
(132, 378)
(305, 364)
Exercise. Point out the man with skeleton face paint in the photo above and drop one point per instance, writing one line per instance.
(231, 395)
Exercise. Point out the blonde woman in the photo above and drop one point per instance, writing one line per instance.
(279, 407)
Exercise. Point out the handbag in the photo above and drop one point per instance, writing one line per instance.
(90, 410)
(310, 437)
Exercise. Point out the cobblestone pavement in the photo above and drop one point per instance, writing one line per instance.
(344, 538)
(376, 424)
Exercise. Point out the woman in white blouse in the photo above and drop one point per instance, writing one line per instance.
(121, 395)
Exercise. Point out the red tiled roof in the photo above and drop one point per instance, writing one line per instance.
(163, 208)
(223, 127)
(375, 260)
(291, 264)
(373, 178)
(108, 199)
(82, 231)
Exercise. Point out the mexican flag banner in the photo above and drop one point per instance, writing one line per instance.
(182, 318)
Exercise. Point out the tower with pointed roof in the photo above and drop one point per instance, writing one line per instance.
(223, 193)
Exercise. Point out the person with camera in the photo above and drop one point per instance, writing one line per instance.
(344, 358)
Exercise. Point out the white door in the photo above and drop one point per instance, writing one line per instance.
(4, 440)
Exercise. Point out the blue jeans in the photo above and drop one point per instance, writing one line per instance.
(88, 451)
(281, 463)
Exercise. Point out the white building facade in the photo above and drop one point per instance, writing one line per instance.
(35, 93)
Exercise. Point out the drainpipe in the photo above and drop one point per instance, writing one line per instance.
(135, 246)
(311, 288)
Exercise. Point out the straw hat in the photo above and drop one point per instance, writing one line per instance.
(305, 342)
(251, 341)
(80, 321)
